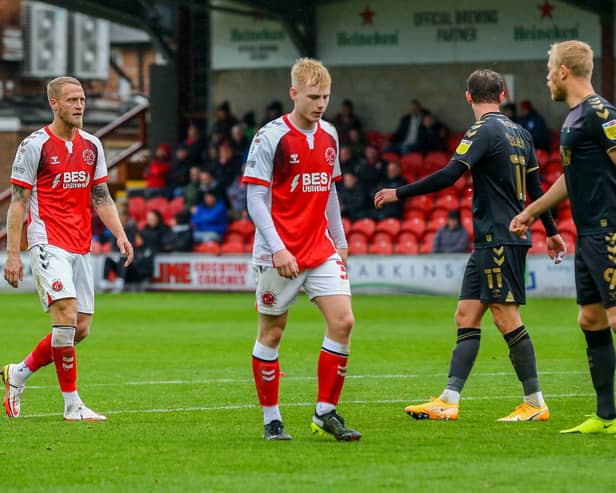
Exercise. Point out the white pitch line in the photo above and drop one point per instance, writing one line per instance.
(217, 381)
(298, 404)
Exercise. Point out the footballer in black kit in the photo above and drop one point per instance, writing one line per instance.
(587, 136)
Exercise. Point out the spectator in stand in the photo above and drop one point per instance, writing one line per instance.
(191, 191)
(354, 200)
(155, 173)
(453, 237)
(370, 170)
(348, 162)
(346, 120)
(209, 219)
(114, 271)
(239, 142)
(229, 165)
(432, 135)
(510, 111)
(177, 178)
(532, 121)
(148, 242)
(179, 238)
(405, 137)
(208, 184)
(224, 120)
(237, 199)
(272, 111)
(356, 142)
(194, 143)
(393, 179)
(250, 125)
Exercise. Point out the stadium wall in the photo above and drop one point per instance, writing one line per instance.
(423, 274)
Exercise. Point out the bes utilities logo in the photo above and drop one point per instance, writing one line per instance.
(71, 179)
(311, 182)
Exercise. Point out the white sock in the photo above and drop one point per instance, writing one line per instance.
(265, 353)
(450, 396)
(324, 408)
(71, 398)
(535, 399)
(20, 373)
(271, 413)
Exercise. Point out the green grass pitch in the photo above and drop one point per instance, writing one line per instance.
(172, 372)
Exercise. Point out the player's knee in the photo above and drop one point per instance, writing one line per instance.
(272, 336)
(464, 318)
(83, 331)
(344, 324)
(593, 319)
(64, 312)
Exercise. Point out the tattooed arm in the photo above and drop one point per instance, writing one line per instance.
(13, 269)
(107, 211)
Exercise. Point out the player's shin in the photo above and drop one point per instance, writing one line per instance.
(462, 360)
(63, 350)
(266, 372)
(522, 356)
(331, 371)
(601, 361)
(41, 355)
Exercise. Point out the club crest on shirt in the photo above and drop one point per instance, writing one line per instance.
(330, 156)
(89, 157)
(609, 128)
(464, 146)
(57, 285)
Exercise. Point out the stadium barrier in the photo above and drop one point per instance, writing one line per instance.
(421, 274)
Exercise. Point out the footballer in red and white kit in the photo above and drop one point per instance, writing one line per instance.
(59, 175)
(291, 170)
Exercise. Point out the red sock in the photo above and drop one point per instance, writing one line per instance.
(41, 355)
(331, 371)
(267, 380)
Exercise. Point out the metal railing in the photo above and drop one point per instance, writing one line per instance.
(139, 111)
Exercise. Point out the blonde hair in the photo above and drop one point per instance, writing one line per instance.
(577, 56)
(308, 71)
(54, 87)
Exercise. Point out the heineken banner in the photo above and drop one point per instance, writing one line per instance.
(360, 32)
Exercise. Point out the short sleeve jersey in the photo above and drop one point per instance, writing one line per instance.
(299, 169)
(61, 175)
(587, 135)
(499, 154)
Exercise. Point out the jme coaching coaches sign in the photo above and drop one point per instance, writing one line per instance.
(202, 273)
(425, 274)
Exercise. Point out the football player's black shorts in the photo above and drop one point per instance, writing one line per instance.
(595, 269)
(496, 275)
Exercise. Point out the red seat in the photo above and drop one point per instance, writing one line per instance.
(381, 248)
(234, 237)
(357, 236)
(390, 226)
(466, 202)
(365, 226)
(243, 226)
(406, 248)
(435, 160)
(538, 246)
(375, 138)
(411, 161)
(453, 139)
(542, 156)
(176, 205)
(408, 237)
(422, 203)
(447, 202)
(208, 247)
(358, 247)
(390, 156)
(136, 208)
(346, 225)
(426, 243)
(410, 213)
(567, 225)
(160, 204)
(433, 225)
(382, 236)
(439, 215)
(248, 246)
(232, 248)
(569, 238)
(415, 226)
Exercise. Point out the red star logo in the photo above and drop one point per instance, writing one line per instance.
(546, 9)
(367, 16)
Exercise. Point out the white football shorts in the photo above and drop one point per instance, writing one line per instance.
(59, 274)
(275, 293)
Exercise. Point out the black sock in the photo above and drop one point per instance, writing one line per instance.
(522, 356)
(463, 358)
(600, 353)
